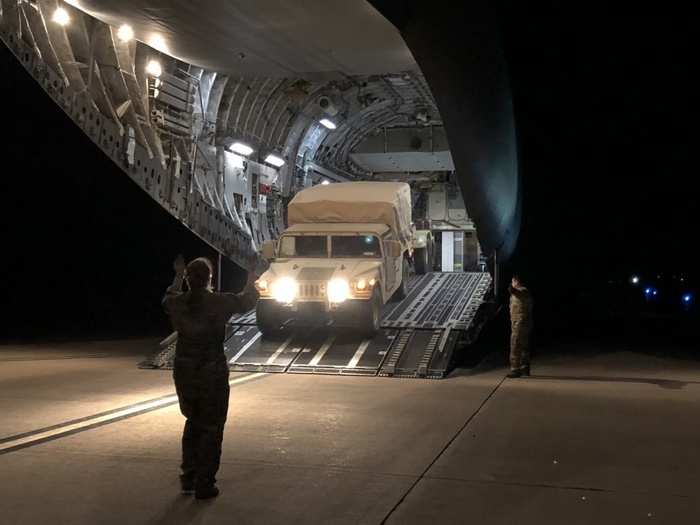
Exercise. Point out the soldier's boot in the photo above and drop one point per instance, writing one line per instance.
(515, 373)
(525, 371)
(187, 483)
(206, 491)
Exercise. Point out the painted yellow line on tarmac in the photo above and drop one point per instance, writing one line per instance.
(36, 437)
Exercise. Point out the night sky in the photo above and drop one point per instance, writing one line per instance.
(602, 104)
(603, 112)
(602, 107)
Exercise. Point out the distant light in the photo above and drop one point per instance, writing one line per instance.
(125, 33)
(648, 291)
(154, 68)
(687, 298)
(274, 160)
(61, 16)
(325, 182)
(654, 292)
(635, 279)
(241, 149)
(157, 42)
(328, 123)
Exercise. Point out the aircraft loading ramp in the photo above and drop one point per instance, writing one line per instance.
(418, 337)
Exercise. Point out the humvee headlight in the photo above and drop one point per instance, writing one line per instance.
(338, 290)
(284, 290)
(261, 285)
(361, 284)
(372, 282)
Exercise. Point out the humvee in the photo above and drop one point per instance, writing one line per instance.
(348, 250)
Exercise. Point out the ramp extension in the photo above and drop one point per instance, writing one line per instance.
(417, 339)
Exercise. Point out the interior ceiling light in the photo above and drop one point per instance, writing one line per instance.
(154, 68)
(241, 149)
(325, 182)
(274, 160)
(157, 42)
(328, 123)
(235, 161)
(125, 33)
(61, 16)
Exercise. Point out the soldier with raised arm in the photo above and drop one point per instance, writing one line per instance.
(201, 370)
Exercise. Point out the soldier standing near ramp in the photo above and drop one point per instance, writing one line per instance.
(521, 327)
(201, 368)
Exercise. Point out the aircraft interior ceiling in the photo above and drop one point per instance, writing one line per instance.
(222, 110)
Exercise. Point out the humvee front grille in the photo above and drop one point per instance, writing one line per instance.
(311, 291)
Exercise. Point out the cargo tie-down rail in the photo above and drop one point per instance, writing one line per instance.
(417, 339)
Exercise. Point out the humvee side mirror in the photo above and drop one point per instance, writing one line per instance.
(268, 250)
(394, 248)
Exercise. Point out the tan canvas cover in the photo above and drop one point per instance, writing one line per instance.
(355, 202)
(339, 227)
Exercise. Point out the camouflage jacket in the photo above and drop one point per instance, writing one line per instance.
(200, 319)
(520, 305)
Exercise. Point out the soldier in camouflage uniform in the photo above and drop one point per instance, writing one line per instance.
(201, 368)
(521, 327)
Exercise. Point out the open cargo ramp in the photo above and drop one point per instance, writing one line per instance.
(418, 337)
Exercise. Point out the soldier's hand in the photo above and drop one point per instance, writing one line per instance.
(179, 265)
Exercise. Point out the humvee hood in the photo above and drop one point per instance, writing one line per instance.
(304, 270)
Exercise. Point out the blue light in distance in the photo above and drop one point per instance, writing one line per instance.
(687, 298)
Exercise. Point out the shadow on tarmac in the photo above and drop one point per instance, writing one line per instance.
(183, 509)
(670, 384)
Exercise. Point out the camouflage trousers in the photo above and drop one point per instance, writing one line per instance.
(520, 344)
(203, 393)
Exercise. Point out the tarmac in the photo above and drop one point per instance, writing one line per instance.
(595, 436)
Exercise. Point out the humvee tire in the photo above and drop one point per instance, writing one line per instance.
(268, 321)
(402, 291)
(370, 320)
(421, 261)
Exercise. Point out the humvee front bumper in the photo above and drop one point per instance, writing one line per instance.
(314, 313)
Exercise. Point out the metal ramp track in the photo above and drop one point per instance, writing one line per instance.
(344, 354)
(417, 339)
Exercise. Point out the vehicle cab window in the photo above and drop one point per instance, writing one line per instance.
(353, 246)
(304, 246)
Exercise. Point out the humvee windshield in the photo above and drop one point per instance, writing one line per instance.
(304, 246)
(355, 246)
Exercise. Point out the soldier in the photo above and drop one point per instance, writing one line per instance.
(201, 368)
(520, 326)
